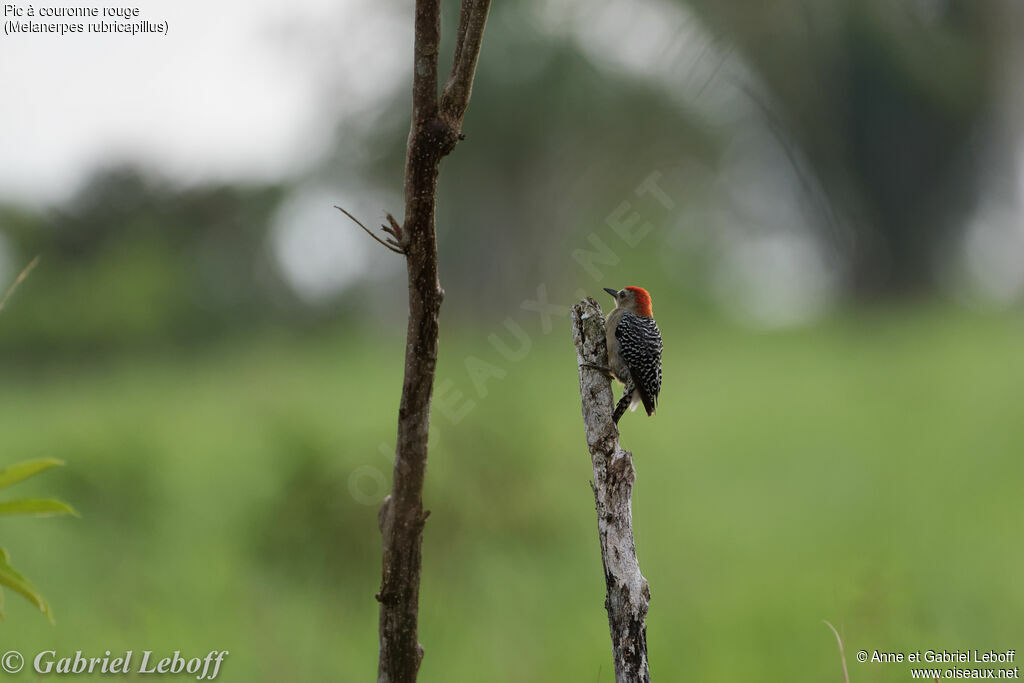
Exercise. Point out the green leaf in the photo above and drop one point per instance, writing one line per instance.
(23, 470)
(10, 577)
(40, 507)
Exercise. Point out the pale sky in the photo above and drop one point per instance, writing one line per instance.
(239, 89)
(252, 89)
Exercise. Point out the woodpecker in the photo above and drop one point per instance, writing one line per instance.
(634, 349)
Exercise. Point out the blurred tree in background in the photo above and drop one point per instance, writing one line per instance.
(131, 260)
(886, 114)
(866, 131)
(890, 106)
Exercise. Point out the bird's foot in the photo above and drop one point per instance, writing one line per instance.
(607, 372)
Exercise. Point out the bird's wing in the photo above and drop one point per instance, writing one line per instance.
(640, 345)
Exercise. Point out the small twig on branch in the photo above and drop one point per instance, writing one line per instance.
(370, 232)
(395, 230)
(18, 280)
(628, 596)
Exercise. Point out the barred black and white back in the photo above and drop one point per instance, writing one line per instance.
(640, 344)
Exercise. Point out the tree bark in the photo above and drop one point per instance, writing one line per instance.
(627, 594)
(436, 128)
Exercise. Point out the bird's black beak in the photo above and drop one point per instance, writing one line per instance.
(613, 292)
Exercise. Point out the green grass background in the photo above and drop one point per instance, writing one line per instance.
(866, 470)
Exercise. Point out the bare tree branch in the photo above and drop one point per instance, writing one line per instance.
(402, 516)
(627, 593)
(455, 98)
(427, 38)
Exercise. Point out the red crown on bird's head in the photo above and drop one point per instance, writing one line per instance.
(643, 300)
